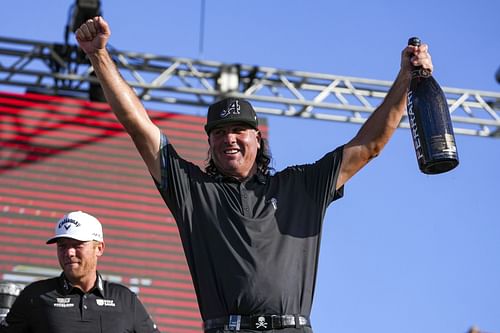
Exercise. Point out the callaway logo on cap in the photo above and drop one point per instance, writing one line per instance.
(78, 225)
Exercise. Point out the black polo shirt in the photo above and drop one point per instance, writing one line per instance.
(252, 247)
(55, 306)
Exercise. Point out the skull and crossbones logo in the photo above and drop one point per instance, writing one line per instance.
(261, 323)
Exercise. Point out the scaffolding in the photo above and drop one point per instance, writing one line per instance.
(63, 69)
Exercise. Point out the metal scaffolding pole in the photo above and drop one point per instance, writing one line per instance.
(63, 69)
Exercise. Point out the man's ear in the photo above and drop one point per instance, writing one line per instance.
(100, 249)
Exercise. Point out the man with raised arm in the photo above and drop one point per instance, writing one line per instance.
(251, 236)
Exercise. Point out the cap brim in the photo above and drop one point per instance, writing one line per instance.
(213, 124)
(54, 239)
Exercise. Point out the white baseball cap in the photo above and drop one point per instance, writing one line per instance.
(78, 225)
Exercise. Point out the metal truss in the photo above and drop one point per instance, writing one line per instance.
(159, 80)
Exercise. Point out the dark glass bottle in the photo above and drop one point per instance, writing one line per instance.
(430, 122)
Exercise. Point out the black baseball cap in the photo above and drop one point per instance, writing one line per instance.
(230, 110)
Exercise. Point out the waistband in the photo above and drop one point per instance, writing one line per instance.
(257, 322)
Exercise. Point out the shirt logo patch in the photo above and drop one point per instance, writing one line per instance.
(274, 202)
(63, 303)
(105, 302)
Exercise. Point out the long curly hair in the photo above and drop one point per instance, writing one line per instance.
(263, 160)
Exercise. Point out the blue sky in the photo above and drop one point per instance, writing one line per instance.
(402, 251)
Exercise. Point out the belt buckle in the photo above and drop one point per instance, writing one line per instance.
(266, 322)
(234, 322)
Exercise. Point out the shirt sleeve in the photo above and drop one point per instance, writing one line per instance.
(163, 162)
(143, 323)
(322, 177)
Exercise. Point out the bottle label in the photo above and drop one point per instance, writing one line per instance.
(414, 126)
(443, 145)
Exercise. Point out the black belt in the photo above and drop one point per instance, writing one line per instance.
(257, 322)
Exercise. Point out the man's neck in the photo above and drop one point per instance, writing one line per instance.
(243, 177)
(86, 283)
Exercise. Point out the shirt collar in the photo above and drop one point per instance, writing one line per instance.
(68, 287)
(258, 177)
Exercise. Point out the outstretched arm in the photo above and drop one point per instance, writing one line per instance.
(380, 126)
(92, 36)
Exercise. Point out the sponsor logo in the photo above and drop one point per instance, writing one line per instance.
(234, 108)
(63, 300)
(274, 202)
(105, 302)
(63, 303)
(67, 223)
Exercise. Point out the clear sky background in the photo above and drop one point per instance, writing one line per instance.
(402, 251)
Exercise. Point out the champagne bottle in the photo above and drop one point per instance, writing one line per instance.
(430, 122)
